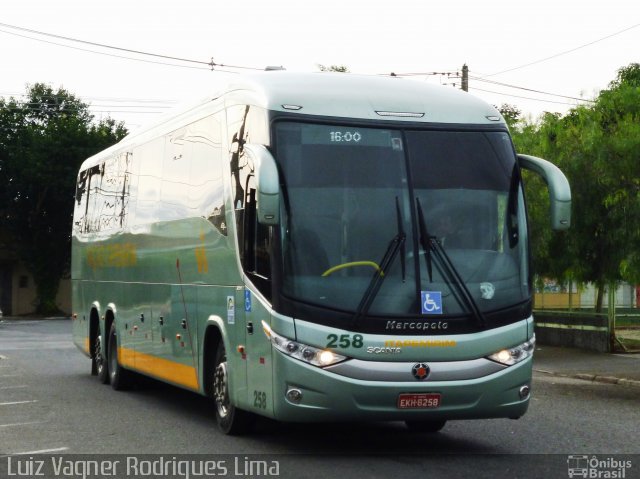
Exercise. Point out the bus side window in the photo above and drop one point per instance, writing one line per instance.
(248, 124)
(206, 195)
(256, 256)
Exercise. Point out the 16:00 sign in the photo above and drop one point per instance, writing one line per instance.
(345, 136)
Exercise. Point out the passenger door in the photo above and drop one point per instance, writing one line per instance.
(258, 351)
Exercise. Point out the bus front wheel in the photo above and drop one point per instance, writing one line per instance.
(230, 419)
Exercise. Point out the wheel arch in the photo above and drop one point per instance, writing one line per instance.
(108, 319)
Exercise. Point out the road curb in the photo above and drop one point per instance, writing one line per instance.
(593, 378)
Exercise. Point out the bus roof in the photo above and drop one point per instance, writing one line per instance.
(338, 95)
(367, 97)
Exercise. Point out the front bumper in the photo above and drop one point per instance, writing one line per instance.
(329, 396)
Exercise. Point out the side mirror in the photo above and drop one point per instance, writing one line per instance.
(267, 183)
(559, 189)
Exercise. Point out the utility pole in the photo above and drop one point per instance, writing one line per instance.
(465, 77)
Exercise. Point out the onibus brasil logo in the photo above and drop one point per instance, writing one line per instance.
(595, 467)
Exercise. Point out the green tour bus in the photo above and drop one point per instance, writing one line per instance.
(315, 247)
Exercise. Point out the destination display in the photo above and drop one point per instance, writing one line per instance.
(349, 136)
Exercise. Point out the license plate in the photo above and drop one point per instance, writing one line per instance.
(419, 401)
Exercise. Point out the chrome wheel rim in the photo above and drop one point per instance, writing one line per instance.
(221, 390)
(113, 356)
(97, 354)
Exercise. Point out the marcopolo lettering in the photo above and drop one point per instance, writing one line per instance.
(417, 325)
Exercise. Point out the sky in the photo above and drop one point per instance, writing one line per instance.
(563, 47)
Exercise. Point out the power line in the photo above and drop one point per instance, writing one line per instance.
(210, 64)
(530, 89)
(520, 96)
(91, 105)
(565, 52)
(456, 74)
(93, 98)
(109, 105)
(101, 45)
(102, 53)
(449, 73)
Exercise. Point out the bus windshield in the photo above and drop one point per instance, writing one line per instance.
(355, 197)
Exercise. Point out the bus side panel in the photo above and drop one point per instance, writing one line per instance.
(80, 318)
(259, 356)
(152, 238)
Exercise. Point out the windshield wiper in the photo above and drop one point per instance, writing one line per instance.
(430, 244)
(425, 240)
(396, 244)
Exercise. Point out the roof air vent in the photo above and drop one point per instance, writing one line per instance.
(400, 114)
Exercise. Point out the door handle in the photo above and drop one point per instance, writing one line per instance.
(250, 327)
(183, 323)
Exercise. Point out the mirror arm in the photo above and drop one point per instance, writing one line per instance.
(559, 189)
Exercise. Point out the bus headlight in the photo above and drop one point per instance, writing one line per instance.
(516, 354)
(303, 352)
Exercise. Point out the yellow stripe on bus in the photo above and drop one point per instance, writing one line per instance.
(86, 345)
(160, 368)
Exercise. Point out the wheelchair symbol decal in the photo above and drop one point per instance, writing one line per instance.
(247, 300)
(431, 302)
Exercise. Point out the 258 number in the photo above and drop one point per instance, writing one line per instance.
(344, 341)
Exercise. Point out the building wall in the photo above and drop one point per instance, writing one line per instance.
(23, 291)
(626, 297)
(63, 299)
(22, 297)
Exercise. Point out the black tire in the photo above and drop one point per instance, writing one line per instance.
(99, 362)
(230, 419)
(120, 377)
(429, 427)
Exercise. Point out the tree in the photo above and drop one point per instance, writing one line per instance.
(43, 140)
(597, 147)
(627, 76)
(511, 114)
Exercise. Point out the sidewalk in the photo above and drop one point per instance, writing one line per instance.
(623, 369)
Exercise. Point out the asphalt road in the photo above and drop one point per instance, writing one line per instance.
(50, 404)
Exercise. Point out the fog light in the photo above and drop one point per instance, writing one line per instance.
(294, 395)
(524, 392)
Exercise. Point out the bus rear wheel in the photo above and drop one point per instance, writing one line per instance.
(425, 426)
(99, 361)
(230, 419)
(120, 377)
